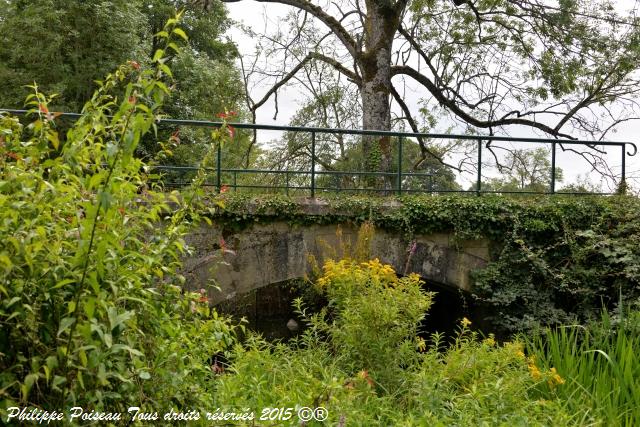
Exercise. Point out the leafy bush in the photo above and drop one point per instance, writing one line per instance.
(553, 259)
(91, 307)
(375, 318)
(363, 361)
(562, 261)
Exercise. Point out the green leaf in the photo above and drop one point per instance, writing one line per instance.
(82, 355)
(89, 307)
(53, 138)
(65, 324)
(165, 69)
(158, 55)
(180, 33)
(108, 340)
(63, 282)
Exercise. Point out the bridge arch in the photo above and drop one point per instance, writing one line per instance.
(274, 252)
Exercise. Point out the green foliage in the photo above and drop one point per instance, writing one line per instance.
(366, 366)
(91, 306)
(206, 83)
(525, 170)
(65, 46)
(561, 262)
(600, 364)
(376, 316)
(554, 259)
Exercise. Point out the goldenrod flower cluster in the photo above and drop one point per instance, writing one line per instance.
(552, 376)
(349, 270)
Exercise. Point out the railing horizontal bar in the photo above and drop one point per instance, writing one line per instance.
(422, 191)
(291, 172)
(353, 189)
(356, 173)
(541, 192)
(204, 123)
(278, 187)
(417, 174)
(187, 168)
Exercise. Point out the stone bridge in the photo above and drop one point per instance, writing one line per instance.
(272, 252)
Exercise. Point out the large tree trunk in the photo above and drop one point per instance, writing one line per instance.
(375, 64)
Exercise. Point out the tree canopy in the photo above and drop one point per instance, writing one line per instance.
(65, 45)
(563, 68)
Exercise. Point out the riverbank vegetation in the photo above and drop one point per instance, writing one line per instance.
(94, 312)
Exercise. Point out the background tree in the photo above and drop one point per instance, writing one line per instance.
(330, 101)
(206, 82)
(524, 170)
(66, 45)
(561, 68)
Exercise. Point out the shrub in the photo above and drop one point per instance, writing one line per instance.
(91, 306)
(362, 360)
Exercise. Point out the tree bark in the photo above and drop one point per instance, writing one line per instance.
(375, 64)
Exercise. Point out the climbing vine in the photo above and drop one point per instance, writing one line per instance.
(554, 259)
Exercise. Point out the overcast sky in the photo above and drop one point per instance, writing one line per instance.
(257, 15)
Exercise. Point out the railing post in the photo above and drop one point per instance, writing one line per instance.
(313, 165)
(624, 166)
(553, 167)
(235, 181)
(399, 165)
(286, 182)
(218, 168)
(479, 181)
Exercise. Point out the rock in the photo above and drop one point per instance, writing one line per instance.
(292, 325)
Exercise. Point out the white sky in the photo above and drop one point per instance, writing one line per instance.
(260, 16)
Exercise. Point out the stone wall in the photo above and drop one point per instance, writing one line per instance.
(267, 253)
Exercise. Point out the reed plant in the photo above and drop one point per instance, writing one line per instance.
(600, 364)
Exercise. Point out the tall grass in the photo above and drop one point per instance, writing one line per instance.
(600, 364)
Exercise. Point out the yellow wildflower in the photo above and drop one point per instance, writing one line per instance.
(465, 322)
(516, 348)
(555, 379)
(490, 341)
(535, 372)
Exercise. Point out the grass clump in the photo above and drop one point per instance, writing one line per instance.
(600, 364)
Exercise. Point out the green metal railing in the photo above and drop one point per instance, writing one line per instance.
(483, 141)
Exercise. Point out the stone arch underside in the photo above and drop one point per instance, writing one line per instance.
(267, 253)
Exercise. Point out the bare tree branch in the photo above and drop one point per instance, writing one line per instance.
(321, 15)
(454, 108)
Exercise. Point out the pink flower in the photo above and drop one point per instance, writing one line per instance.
(175, 137)
(226, 115)
(203, 296)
